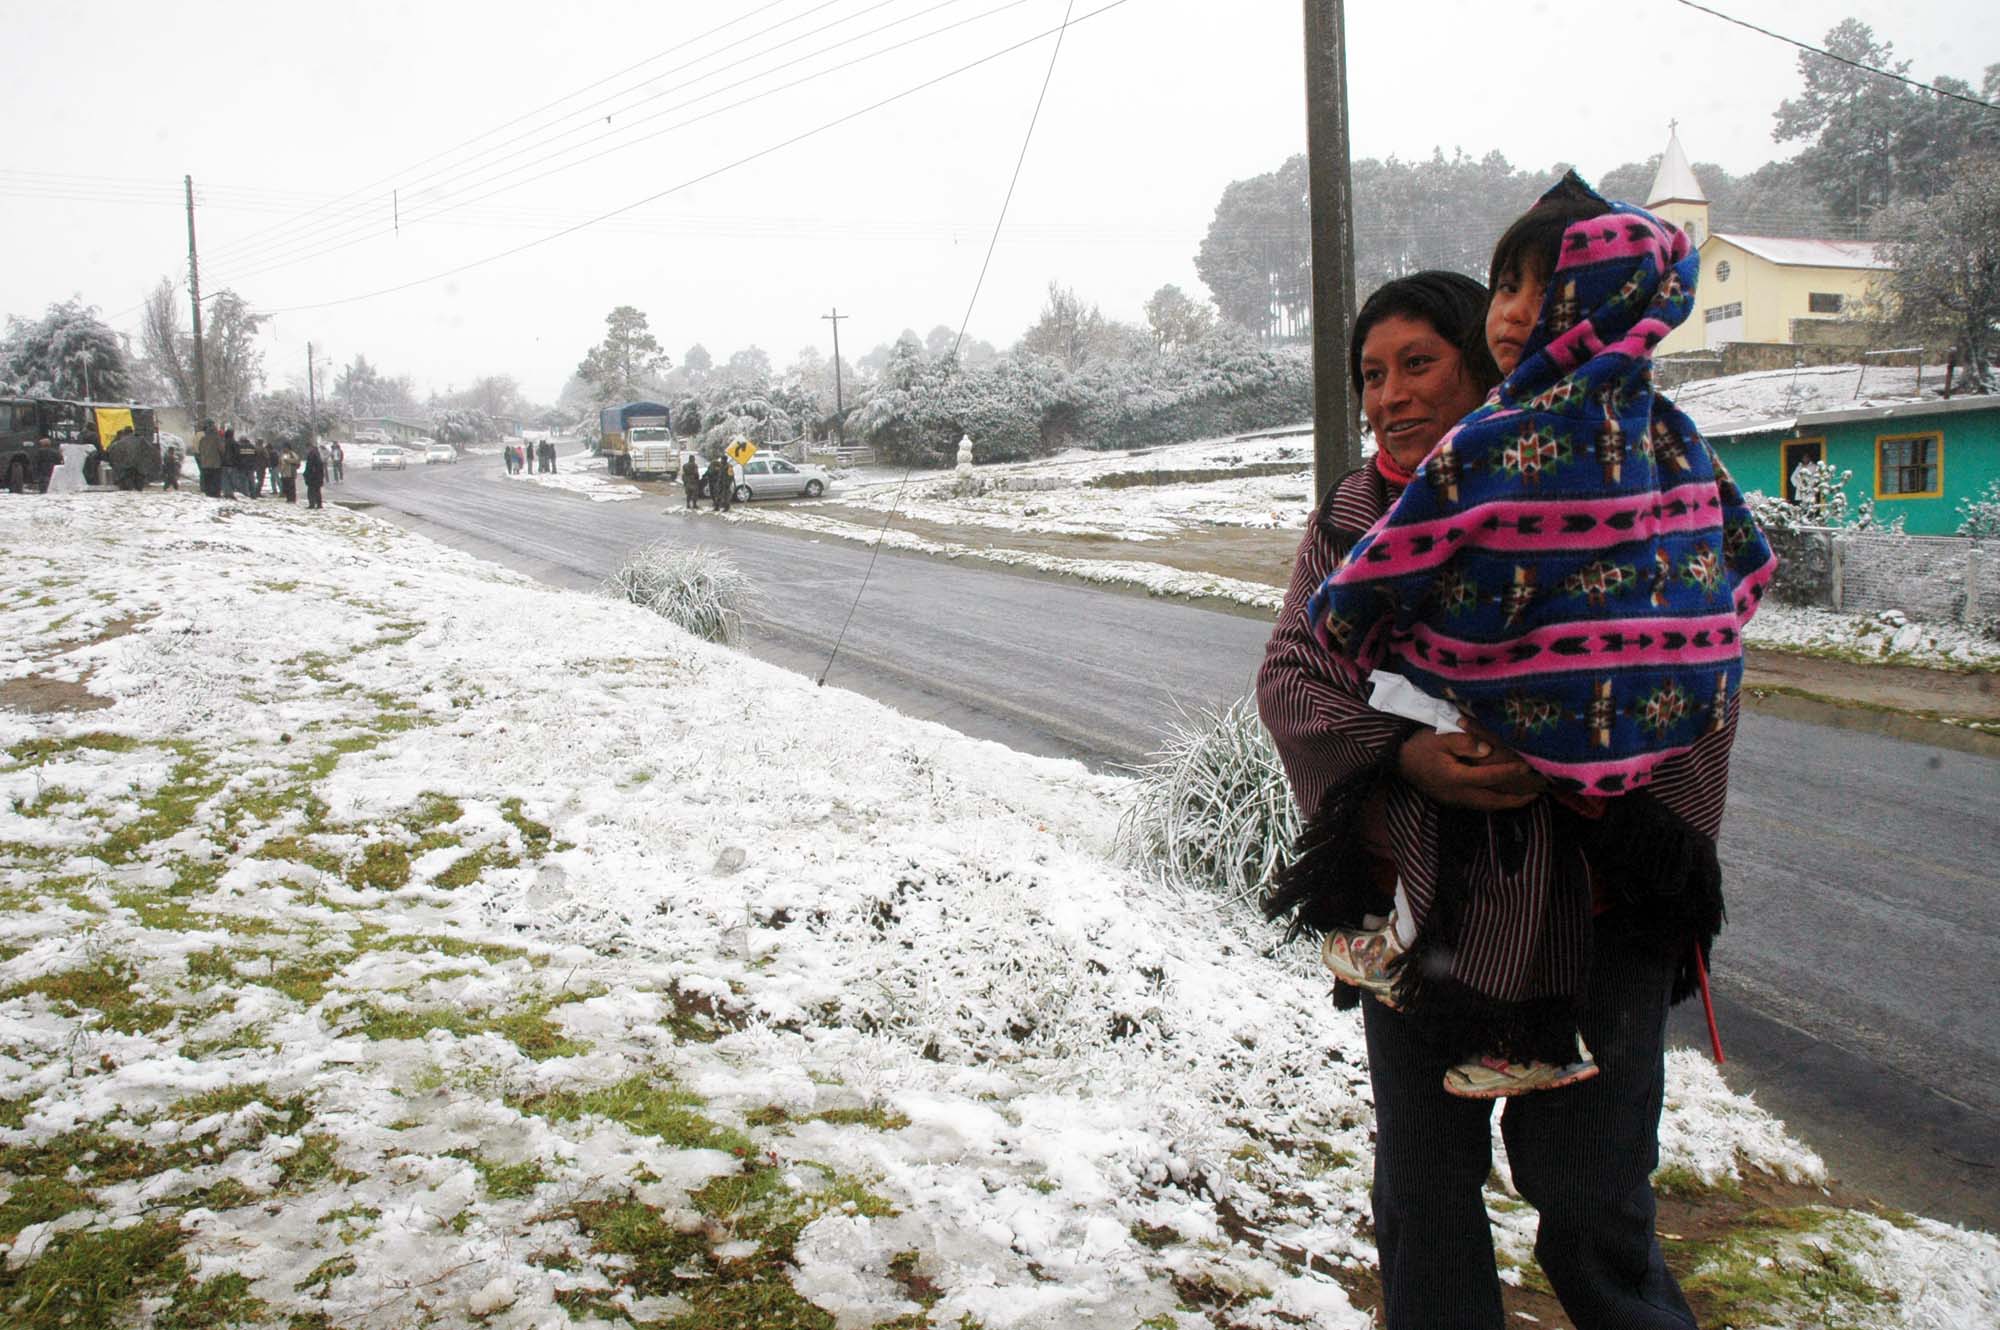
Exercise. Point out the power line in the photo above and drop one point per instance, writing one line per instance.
(1856, 64)
(577, 92)
(341, 222)
(333, 243)
(875, 546)
(704, 176)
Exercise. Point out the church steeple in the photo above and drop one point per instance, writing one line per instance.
(1676, 196)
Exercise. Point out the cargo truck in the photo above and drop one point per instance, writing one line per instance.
(637, 439)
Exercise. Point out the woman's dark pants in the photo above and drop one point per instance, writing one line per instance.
(1582, 1156)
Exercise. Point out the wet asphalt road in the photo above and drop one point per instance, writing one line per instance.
(1854, 983)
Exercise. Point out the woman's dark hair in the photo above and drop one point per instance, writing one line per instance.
(1452, 303)
(1533, 244)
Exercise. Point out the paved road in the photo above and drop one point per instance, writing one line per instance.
(1854, 982)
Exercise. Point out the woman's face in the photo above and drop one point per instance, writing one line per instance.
(1413, 387)
(1510, 317)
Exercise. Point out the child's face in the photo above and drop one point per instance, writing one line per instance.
(1510, 317)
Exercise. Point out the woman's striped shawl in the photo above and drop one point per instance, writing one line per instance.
(1572, 566)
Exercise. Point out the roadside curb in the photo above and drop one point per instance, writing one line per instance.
(1837, 713)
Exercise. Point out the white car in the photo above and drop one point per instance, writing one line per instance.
(388, 458)
(774, 478)
(439, 452)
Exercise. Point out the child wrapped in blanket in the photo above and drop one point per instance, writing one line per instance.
(1569, 572)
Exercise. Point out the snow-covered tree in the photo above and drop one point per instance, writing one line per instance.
(1946, 278)
(627, 364)
(1980, 517)
(68, 352)
(748, 368)
(1176, 320)
(233, 363)
(283, 417)
(463, 424)
(365, 391)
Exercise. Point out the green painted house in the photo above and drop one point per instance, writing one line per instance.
(1916, 460)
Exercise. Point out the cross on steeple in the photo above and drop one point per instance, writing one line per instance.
(1673, 126)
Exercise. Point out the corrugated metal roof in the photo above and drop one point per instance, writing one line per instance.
(1929, 406)
(1796, 253)
(1675, 178)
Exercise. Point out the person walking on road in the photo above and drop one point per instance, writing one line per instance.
(170, 466)
(315, 469)
(691, 482)
(338, 457)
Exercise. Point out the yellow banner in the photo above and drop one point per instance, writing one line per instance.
(111, 419)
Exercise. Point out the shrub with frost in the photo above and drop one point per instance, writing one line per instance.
(1211, 811)
(1980, 517)
(696, 589)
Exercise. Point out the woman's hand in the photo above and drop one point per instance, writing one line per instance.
(1469, 770)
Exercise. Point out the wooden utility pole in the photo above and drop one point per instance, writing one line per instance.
(312, 401)
(1336, 442)
(194, 294)
(839, 407)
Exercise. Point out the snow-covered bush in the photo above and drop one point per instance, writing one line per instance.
(697, 589)
(1212, 811)
(1980, 517)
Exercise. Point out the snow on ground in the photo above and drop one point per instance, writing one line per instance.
(410, 943)
(577, 473)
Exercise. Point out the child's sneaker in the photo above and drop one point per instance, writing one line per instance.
(1496, 1078)
(1362, 957)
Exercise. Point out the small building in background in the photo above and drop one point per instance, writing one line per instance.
(1916, 460)
(1758, 289)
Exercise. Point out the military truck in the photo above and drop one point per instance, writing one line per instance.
(637, 439)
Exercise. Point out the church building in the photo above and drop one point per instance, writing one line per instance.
(1755, 288)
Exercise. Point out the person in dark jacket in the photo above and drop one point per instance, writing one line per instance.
(721, 484)
(315, 469)
(260, 462)
(48, 460)
(691, 482)
(235, 472)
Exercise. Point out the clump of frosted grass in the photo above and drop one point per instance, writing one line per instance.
(1211, 811)
(696, 589)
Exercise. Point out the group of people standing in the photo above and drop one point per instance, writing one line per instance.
(538, 457)
(238, 467)
(718, 482)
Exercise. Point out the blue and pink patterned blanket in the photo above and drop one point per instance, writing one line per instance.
(1572, 566)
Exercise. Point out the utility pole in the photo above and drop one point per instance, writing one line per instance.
(839, 407)
(194, 294)
(1336, 444)
(312, 401)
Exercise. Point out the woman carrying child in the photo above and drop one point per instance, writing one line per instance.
(1534, 908)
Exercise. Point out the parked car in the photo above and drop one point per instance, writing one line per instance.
(439, 452)
(776, 478)
(388, 458)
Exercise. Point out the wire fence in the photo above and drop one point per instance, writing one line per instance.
(1933, 579)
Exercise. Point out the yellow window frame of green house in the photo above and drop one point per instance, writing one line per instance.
(1936, 464)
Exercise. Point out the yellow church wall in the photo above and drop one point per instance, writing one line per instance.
(1772, 295)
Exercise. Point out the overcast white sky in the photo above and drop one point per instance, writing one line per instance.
(297, 122)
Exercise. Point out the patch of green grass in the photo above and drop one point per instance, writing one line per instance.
(223, 1301)
(465, 870)
(1683, 1183)
(323, 1274)
(34, 752)
(1758, 1272)
(38, 1200)
(493, 953)
(230, 1099)
(535, 836)
(527, 1026)
(431, 811)
(653, 1249)
(166, 812)
(505, 1182)
(880, 1119)
(299, 850)
(91, 1278)
(384, 865)
(105, 987)
(649, 1107)
(314, 1162)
